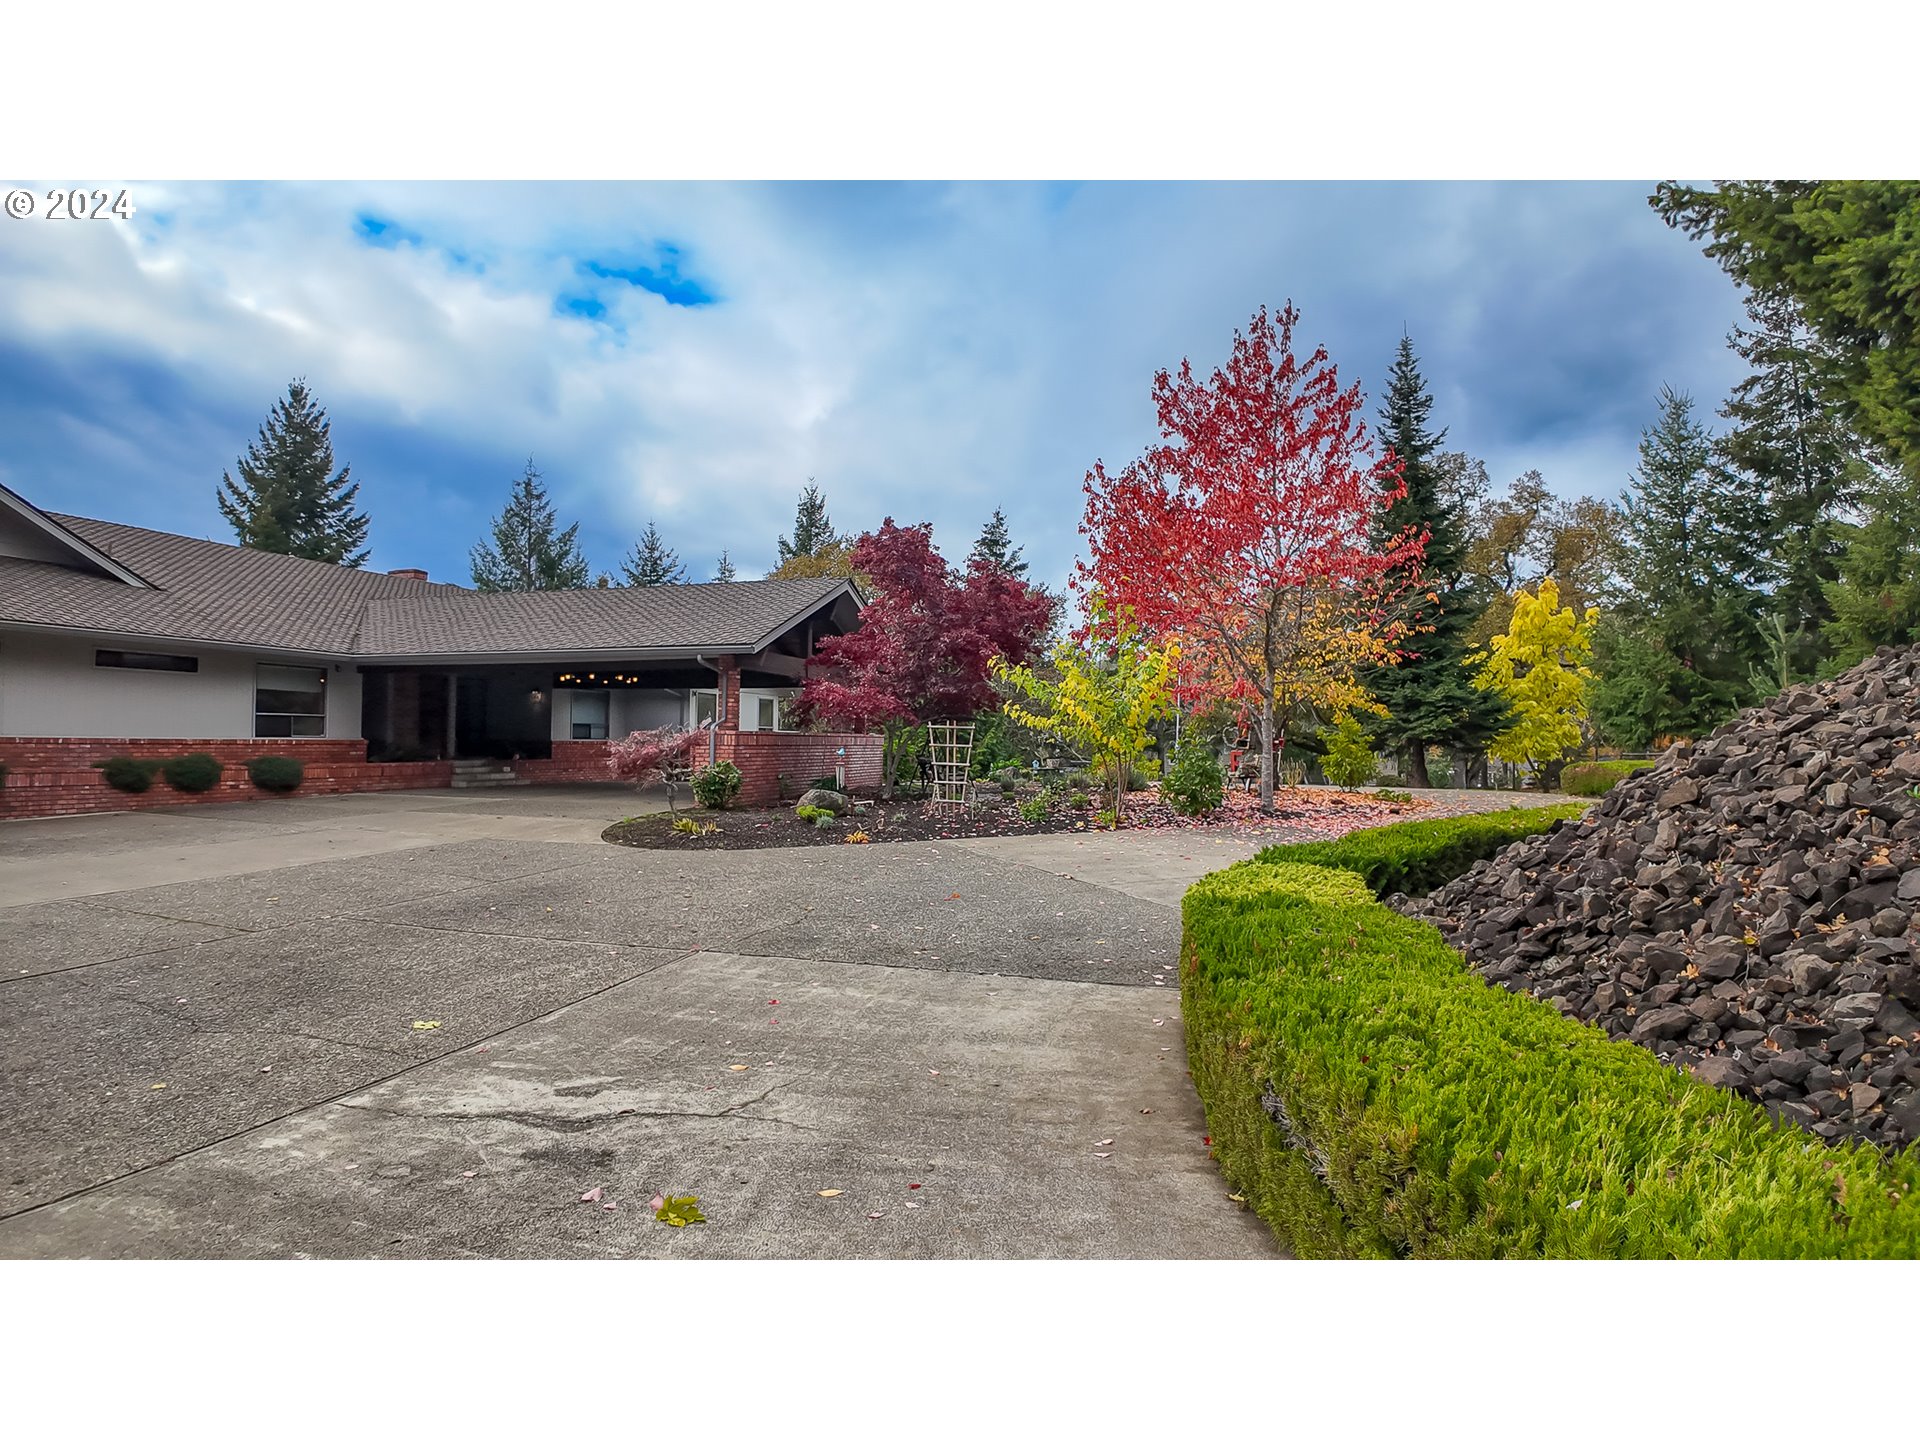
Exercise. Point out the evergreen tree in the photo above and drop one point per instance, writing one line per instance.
(1798, 454)
(653, 561)
(812, 529)
(1429, 696)
(287, 499)
(1876, 599)
(996, 548)
(724, 573)
(527, 553)
(1677, 656)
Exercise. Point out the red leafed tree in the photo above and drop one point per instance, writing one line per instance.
(647, 756)
(924, 641)
(1245, 534)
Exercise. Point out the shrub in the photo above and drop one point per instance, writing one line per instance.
(123, 772)
(1108, 819)
(1079, 780)
(687, 825)
(717, 786)
(1196, 785)
(1597, 777)
(1349, 761)
(1034, 810)
(193, 773)
(810, 813)
(1394, 797)
(856, 837)
(1414, 857)
(279, 773)
(1080, 800)
(823, 821)
(1370, 1096)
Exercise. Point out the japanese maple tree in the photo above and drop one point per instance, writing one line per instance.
(649, 756)
(1245, 534)
(925, 638)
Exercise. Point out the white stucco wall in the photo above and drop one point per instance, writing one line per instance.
(49, 685)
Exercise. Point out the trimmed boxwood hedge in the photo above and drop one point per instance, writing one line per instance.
(124, 772)
(278, 773)
(1597, 777)
(193, 773)
(1371, 1096)
(1413, 858)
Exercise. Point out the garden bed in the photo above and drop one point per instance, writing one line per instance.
(1298, 812)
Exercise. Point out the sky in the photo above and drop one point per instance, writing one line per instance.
(693, 354)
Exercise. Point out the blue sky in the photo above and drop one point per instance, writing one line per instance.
(692, 354)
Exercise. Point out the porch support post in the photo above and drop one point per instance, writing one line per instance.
(453, 715)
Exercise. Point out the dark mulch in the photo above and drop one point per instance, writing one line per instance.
(880, 821)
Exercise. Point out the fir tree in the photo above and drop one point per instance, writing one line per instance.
(1677, 656)
(527, 553)
(653, 561)
(1429, 696)
(1876, 599)
(724, 573)
(995, 547)
(287, 499)
(1799, 455)
(812, 529)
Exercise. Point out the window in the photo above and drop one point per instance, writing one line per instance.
(289, 701)
(704, 704)
(141, 660)
(588, 714)
(767, 716)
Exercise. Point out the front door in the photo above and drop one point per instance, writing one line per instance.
(470, 718)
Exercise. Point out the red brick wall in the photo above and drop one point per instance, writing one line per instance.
(765, 755)
(573, 762)
(56, 776)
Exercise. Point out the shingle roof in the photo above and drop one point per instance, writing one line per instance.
(226, 594)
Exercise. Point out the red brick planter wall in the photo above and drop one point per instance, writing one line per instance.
(56, 776)
(765, 755)
(574, 762)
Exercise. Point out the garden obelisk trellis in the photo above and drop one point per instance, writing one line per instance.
(950, 754)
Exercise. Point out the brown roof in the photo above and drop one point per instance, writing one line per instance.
(226, 594)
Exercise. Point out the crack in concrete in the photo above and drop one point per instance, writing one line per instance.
(575, 1124)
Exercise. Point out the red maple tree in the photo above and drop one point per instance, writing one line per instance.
(649, 756)
(925, 637)
(1246, 534)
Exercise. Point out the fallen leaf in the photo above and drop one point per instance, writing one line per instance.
(1146, 1112)
(656, 1201)
(913, 1185)
(1099, 1143)
(354, 1166)
(611, 1205)
(435, 1024)
(1101, 1154)
(736, 1067)
(468, 1174)
(161, 1086)
(828, 1194)
(593, 1196)
(679, 1211)
(1159, 1022)
(913, 1204)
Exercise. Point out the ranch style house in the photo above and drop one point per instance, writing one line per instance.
(116, 640)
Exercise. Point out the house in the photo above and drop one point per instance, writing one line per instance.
(116, 640)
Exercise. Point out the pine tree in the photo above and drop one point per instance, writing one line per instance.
(1876, 599)
(995, 547)
(812, 529)
(1798, 454)
(1677, 656)
(653, 561)
(724, 573)
(1429, 696)
(527, 553)
(287, 499)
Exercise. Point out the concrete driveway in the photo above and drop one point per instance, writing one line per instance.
(427, 1024)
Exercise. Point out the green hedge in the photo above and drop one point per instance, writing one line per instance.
(278, 773)
(193, 774)
(1597, 777)
(1413, 858)
(1371, 1096)
(124, 772)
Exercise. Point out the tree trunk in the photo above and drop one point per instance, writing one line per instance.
(1266, 753)
(1417, 768)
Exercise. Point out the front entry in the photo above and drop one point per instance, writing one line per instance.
(470, 740)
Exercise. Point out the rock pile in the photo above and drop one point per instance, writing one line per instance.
(1746, 909)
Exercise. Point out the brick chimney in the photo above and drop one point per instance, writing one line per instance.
(409, 574)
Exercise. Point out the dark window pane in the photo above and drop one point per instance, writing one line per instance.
(141, 660)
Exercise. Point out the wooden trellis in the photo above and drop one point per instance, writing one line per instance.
(950, 756)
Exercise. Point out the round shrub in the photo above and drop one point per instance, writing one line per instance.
(1196, 785)
(278, 773)
(716, 786)
(193, 773)
(123, 772)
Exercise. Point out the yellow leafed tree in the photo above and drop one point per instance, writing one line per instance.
(1108, 692)
(1539, 667)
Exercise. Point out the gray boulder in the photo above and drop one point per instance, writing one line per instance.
(831, 800)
